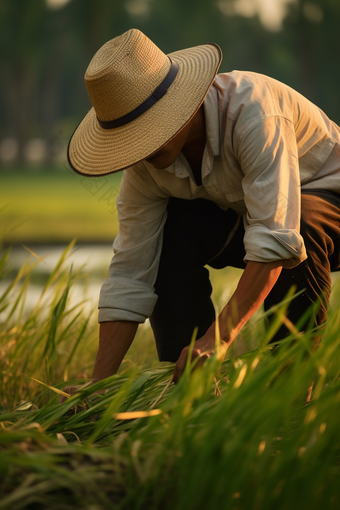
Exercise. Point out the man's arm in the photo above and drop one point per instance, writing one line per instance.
(115, 339)
(254, 286)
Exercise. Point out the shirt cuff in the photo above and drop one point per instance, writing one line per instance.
(264, 245)
(122, 299)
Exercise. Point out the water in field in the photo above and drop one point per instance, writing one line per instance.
(93, 260)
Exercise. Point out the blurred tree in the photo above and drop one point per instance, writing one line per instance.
(21, 49)
(311, 33)
(44, 52)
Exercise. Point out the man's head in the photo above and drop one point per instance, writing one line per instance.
(141, 100)
(190, 136)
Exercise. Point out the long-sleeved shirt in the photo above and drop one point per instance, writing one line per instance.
(264, 141)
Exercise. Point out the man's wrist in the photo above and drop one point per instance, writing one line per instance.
(213, 334)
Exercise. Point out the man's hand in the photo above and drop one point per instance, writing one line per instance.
(72, 390)
(254, 286)
(203, 348)
(115, 339)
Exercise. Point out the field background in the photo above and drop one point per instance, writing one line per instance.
(55, 205)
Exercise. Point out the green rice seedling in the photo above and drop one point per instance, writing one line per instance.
(256, 446)
(148, 444)
(33, 344)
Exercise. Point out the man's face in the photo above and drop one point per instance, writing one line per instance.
(167, 154)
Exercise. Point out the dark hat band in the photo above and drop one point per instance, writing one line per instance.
(157, 94)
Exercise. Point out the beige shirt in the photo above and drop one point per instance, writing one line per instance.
(264, 141)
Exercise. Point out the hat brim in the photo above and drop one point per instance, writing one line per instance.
(94, 151)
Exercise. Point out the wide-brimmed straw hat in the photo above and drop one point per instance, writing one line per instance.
(141, 99)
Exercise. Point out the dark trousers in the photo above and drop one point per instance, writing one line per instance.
(197, 233)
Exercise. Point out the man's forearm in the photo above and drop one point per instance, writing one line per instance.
(254, 286)
(115, 339)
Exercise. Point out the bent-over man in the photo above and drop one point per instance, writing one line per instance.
(235, 169)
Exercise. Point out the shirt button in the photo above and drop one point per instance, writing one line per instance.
(213, 189)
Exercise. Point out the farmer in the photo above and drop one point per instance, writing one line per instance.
(234, 169)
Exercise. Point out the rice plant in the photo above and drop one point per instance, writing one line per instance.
(233, 436)
(44, 341)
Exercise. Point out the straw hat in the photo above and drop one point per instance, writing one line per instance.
(141, 98)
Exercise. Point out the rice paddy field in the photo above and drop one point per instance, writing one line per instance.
(237, 435)
(54, 205)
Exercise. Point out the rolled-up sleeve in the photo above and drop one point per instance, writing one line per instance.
(271, 186)
(128, 293)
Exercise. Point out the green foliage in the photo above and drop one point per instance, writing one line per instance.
(241, 439)
(45, 51)
(35, 343)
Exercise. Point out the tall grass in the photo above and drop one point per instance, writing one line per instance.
(244, 439)
(44, 341)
